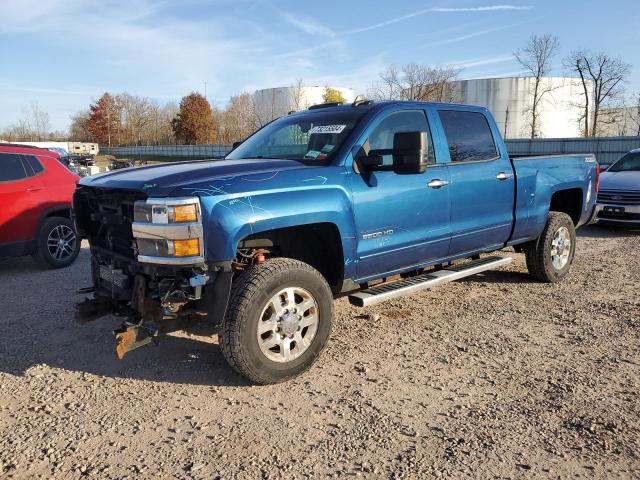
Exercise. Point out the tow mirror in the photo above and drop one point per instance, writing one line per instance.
(410, 152)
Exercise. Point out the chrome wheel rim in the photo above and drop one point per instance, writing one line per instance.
(61, 242)
(288, 324)
(560, 248)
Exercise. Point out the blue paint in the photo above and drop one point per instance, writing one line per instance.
(388, 223)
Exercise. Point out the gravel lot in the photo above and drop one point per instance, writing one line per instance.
(496, 376)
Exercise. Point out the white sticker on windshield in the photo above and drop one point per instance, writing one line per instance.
(327, 129)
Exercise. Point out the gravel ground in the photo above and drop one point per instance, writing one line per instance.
(495, 376)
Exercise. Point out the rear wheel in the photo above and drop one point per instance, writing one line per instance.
(58, 244)
(278, 320)
(549, 258)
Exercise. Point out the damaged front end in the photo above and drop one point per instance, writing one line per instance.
(147, 264)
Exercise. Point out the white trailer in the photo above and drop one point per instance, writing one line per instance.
(75, 149)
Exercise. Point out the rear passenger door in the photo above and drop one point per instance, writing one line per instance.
(482, 182)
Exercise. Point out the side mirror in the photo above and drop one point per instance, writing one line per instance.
(410, 152)
(371, 161)
(235, 145)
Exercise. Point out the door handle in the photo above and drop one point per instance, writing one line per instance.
(437, 183)
(504, 176)
(34, 189)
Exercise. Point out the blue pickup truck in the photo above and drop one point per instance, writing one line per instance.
(370, 200)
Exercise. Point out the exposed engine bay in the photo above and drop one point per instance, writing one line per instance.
(147, 264)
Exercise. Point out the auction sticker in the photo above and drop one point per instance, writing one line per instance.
(327, 129)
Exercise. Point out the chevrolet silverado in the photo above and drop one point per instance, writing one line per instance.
(370, 200)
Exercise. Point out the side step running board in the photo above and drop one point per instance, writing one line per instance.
(407, 286)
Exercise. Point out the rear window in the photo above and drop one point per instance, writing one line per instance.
(34, 163)
(468, 135)
(11, 168)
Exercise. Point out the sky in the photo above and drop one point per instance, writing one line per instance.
(63, 54)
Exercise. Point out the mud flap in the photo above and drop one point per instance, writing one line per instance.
(216, 297)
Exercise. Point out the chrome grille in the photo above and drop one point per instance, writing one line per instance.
(619, 197)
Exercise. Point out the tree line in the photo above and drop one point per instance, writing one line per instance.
(123, 119)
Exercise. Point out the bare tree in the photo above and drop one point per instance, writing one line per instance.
(605, 74)
(32, 126)
(39, 122)
(536, 58)
(634, 114)
(239, 119)
(79, 129)
(297, 95)
(416, 82)
(388, 87)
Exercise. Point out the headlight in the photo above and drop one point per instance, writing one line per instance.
(144, 211)
(169, 231)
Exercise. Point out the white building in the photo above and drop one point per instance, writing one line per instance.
(271, 103)
(561, 112)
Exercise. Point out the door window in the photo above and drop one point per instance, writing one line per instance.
(406, 121)
(11, 168)
(468, 135)
(34, 164)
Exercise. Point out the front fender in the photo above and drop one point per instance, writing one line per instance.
(229, 214)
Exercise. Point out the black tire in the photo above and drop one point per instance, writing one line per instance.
(250, 294)
(539, 252)
(46, 254)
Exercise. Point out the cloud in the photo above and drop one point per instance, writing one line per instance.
(467, 36)
(56, 91)
(513, 73)
(309, 26)
(477, 62)
(418, 13)
(488, 8)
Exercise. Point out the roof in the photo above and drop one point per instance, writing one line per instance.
(380, 105)
(18, 145)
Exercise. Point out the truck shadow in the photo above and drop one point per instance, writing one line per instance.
(607, 231)
(38, 327)
(180, 359)
(499, 276)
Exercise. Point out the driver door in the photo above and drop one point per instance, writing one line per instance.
(400, 220)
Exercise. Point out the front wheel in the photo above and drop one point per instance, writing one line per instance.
(278, 320)
(549, 258)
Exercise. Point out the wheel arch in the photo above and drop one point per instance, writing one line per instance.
(568, 201)
(317, 244)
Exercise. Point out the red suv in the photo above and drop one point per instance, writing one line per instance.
(35, 206)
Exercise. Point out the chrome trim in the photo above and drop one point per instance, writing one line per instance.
(627, 208)
(167, 231)
(504, 176)
(171, 260)
(173, 201)
(437, 183)
(365, 299)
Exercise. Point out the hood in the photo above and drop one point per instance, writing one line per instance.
(162, 179)
(620, 181)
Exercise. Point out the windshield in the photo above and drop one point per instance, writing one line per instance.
(629, 163)
(311, 137)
